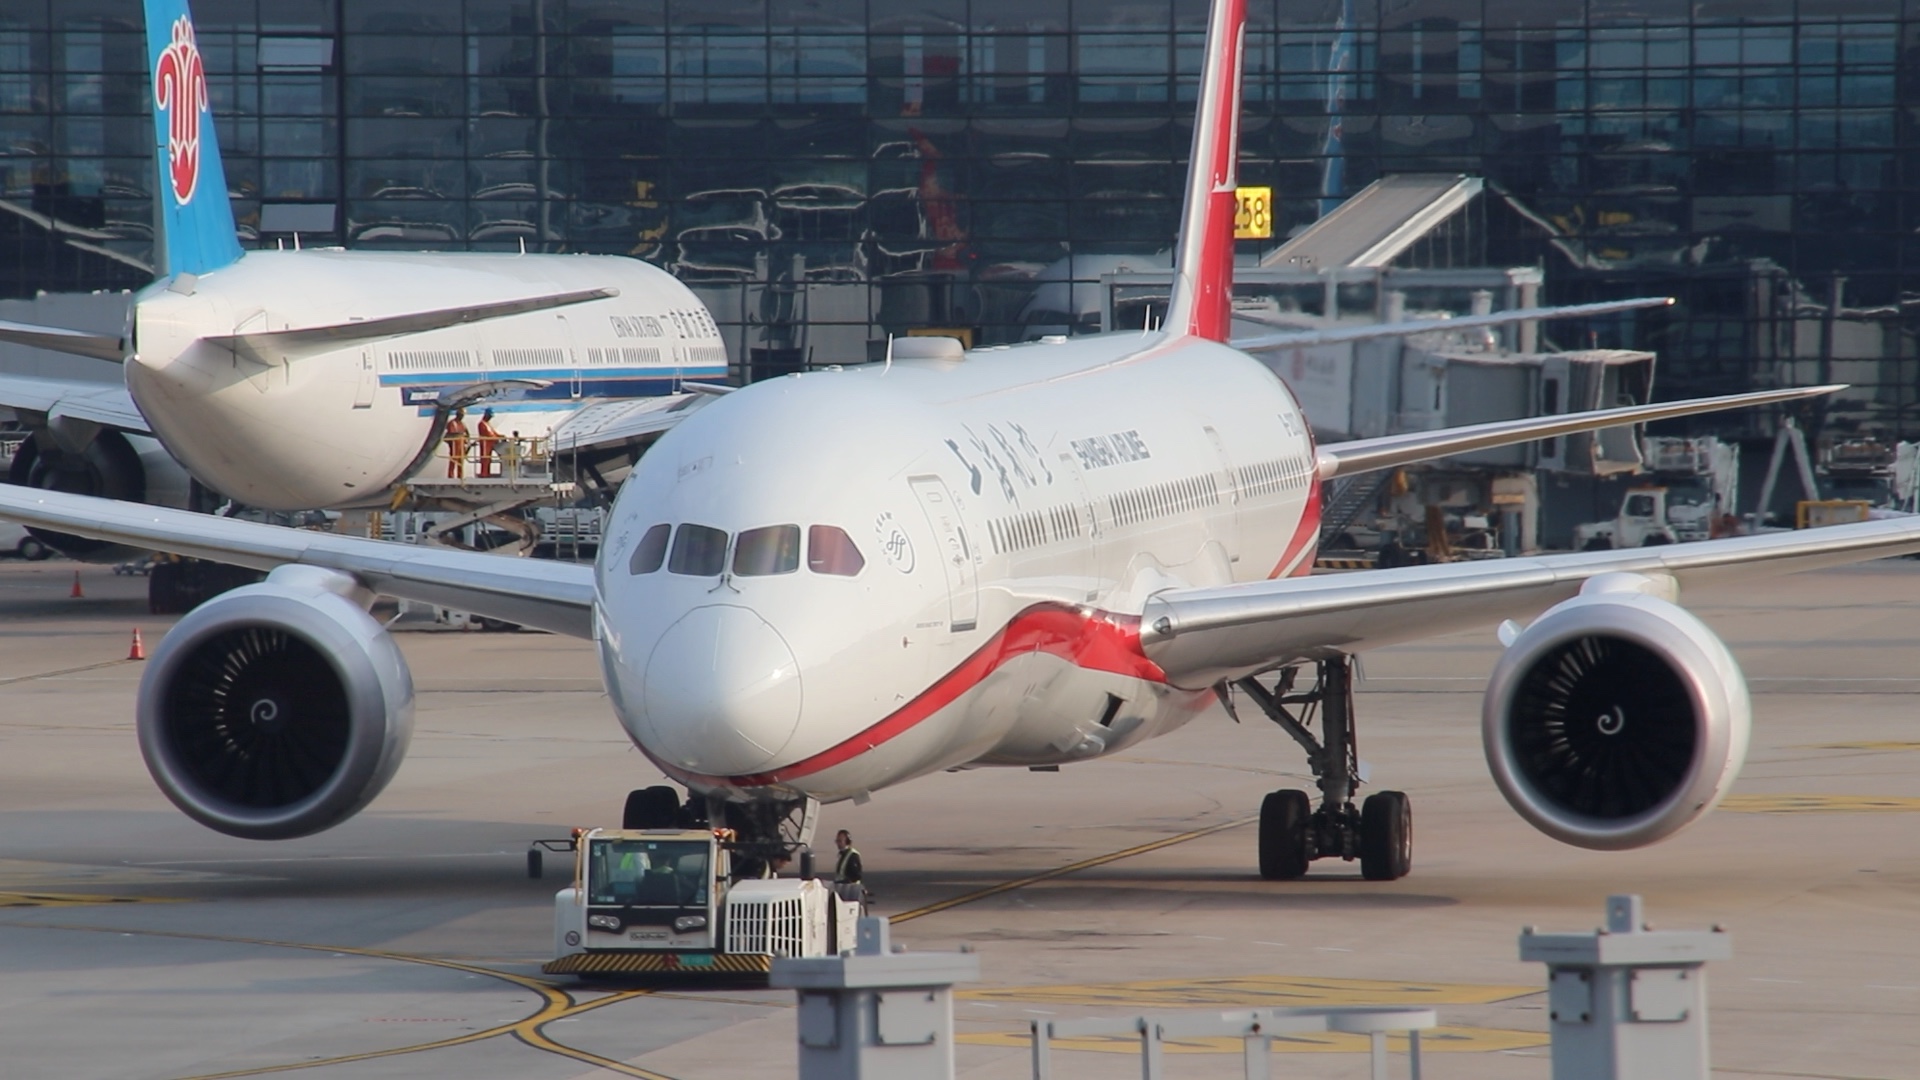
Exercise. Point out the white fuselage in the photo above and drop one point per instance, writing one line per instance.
(1014, 510)
(326, 427)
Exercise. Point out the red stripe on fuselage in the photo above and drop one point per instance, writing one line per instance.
(1095, 640)
(1307, 532)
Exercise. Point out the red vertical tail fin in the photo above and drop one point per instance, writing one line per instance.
(1202, 300)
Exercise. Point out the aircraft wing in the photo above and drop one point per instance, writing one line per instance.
(104, 403)
(615, 424)
(61, 339)
(1392, 451)
(1201, 636)
(549, 595)
(265, 344)
(1337, 334)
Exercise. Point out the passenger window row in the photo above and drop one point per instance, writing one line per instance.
(701, 551)
(1161, 500)
(1268, 477)
(1033, 528)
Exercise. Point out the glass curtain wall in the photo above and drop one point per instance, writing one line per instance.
(826, 172)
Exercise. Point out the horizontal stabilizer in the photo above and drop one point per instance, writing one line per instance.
(1392, 451)
(60, 339)
(269, 345)
(1337, 334)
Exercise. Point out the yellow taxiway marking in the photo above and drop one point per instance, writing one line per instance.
(556, 1004)
(51, 899)
(34, 875)
(1254, 990)
(1821, 804)
(1459, 1040)
(1870, 744)
(1062, 871)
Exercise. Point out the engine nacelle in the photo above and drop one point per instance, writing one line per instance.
(1616, 719)
(112, 465)
(276, 710)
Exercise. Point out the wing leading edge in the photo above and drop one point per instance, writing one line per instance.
(1393, 451)
(1201, 636)
(1292, 339)
(548, 595)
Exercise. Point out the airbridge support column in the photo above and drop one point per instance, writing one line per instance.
(1628, 1002)
(876, 1013)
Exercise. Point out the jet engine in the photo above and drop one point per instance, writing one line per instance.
(1616, 719)
(111, 465)
(276, 710)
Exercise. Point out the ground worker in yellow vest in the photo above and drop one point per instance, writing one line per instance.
(847, 871)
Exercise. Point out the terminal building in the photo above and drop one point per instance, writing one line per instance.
(828, 172)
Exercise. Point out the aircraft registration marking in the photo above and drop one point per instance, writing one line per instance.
(1821, 804)
(1255, 990)
(1458, 1040)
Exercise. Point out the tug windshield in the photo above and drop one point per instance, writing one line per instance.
(648, 873)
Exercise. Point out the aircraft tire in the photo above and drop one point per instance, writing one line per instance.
(1386, 836)
(1284, 816)
(656, 807)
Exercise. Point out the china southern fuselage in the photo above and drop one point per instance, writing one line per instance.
(1011, 511)
(278, 420)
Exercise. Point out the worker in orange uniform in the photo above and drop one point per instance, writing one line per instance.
(457, 445)
(489, 440)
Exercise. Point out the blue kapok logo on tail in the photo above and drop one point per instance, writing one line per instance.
(180, 89)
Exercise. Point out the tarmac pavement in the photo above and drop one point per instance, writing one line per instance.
(407, 942)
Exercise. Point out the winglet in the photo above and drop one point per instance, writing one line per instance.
(1202, 300)
(195, 219)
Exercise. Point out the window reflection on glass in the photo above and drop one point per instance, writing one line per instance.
(830, 551)
(650, 552)
(698, 551)
(771, 550)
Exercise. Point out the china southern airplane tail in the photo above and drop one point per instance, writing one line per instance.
(1202, 300)
(195, 231)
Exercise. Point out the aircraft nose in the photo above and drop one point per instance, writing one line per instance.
(722, 692)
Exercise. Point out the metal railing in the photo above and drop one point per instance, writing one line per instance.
(510, 460)
(1256, 1027)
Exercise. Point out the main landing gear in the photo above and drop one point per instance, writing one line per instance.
(1292, 833)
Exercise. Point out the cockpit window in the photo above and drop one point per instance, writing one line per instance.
(651, 551)
(774, 549)
(698, 551)
(830, 551)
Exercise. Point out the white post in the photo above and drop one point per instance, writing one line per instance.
(1627, 1002)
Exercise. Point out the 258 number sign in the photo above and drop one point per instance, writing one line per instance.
(1253, 213)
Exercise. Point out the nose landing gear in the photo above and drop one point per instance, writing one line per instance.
(767, 835)
(1379, 832)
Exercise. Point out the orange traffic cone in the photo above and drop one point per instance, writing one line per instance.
(138, 651)
(76, 594)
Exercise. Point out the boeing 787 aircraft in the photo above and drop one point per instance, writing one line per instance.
(828, 584)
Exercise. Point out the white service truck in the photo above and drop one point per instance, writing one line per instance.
(1642, 522)
(664, 901)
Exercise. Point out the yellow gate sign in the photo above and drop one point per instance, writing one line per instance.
(1253, 213)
